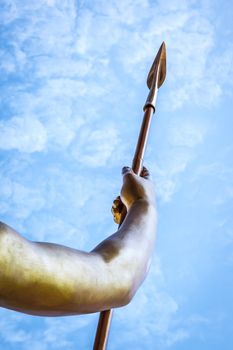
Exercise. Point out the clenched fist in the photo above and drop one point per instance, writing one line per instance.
(134, 188)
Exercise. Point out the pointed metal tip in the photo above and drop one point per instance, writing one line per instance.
(159, 62)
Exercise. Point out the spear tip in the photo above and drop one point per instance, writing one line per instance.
(159, 62)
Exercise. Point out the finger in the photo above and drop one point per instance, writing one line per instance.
(125, 170)
(116, 216)
(117, 219)
(113, 211)
(116, 202)
(145, 173)
(114, 205)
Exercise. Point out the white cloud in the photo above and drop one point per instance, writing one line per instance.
(96, 147)
(171, 164)
(25, 134)
(60, 133)
(57, 230)
(10, 332)
(50, 2)
(181, 140)
(220, 175)
(159, 326)
(60, 64)
(50, 333)
(18, 199)
(63, 66)
(165, 188)
(64, 327)
(185, 133)
(177, 336)
(193, 74)
(103, 31)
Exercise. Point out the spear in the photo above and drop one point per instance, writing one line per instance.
(155, 79)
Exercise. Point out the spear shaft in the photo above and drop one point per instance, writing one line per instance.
(155, 79)
(105, 317)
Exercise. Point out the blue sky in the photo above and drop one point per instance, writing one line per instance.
(72, 90)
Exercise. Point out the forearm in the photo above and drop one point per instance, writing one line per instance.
(129, 250)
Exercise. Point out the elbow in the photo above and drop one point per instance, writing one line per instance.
(128, 290)
(131, 284)
(128, 297)
(125, 297)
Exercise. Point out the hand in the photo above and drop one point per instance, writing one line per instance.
(134, 188)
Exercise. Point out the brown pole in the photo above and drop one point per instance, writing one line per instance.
(142, 141)
(155, 79)
(105, 317)
(103, 329)
(137, 163)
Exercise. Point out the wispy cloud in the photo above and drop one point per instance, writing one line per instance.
(26, 134)
(183, 137)
(49, 333)
(190, 35)
(185, 133)
(71, 71)
(156, 316)
(9, 329)
(95, 148)
(19, 200)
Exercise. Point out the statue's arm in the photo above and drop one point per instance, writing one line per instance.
(52, 280)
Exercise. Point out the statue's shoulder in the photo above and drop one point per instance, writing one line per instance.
(5, 229)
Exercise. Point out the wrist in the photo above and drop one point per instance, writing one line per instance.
(143, 202)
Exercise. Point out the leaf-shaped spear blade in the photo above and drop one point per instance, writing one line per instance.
(155, 79)
(158, 66)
